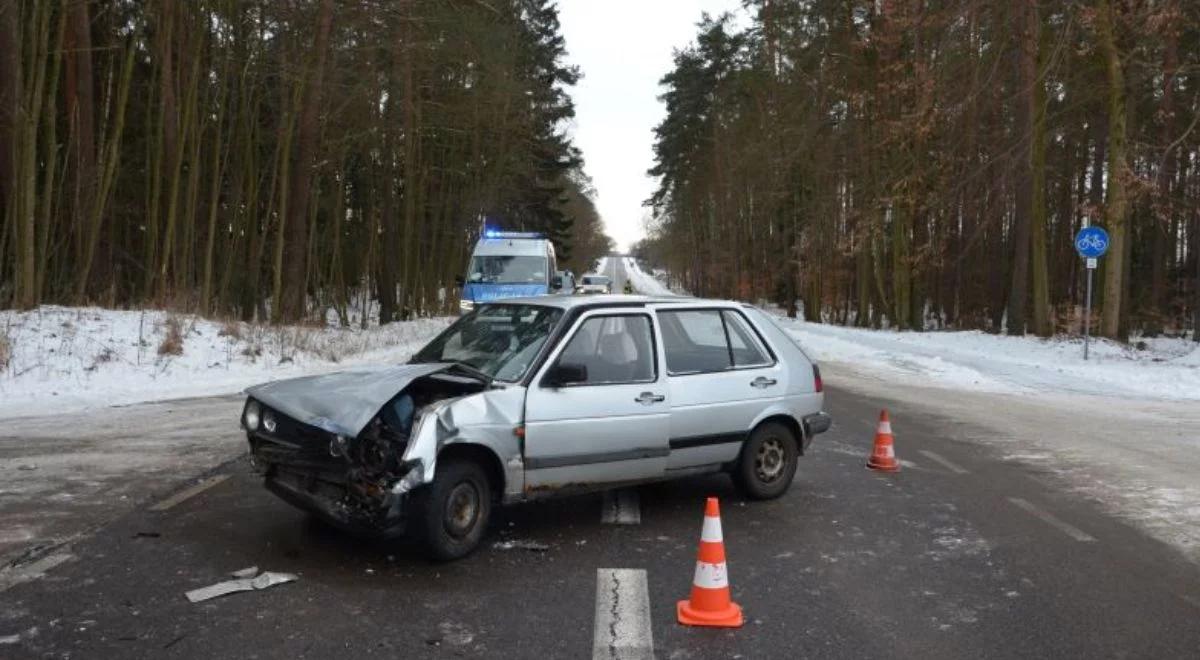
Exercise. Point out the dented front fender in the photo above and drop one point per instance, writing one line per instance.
(489, 419)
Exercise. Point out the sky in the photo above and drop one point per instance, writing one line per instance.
(623, 48)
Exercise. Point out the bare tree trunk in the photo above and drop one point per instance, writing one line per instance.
(10, 110)
(1115, 210)
(1163, 210)
(1024, 112)
(110, 158)
(168, 139)
(30, 112)
(80, 98)
(1042, 324)
(292, 299)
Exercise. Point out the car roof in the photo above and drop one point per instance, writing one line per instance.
(566, 302)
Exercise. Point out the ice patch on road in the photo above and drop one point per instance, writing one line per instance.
(952, 543)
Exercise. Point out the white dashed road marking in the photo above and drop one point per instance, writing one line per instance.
(1050, 519)
(937, 458)
(621, 507)
(10, 577)
(188, 493)
(622, 616)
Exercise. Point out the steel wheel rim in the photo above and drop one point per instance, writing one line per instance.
(462, 510)
(770, 460)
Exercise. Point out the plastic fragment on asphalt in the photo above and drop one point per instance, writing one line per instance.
(264, 581)
(245, 572)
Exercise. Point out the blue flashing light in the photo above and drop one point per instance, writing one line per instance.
(495, 233)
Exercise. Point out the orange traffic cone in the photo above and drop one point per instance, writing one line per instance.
(710, 604)
(883, 458)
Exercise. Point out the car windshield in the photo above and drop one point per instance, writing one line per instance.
(506, 269)
(595, 279)
(499, 340)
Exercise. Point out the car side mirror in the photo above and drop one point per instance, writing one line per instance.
(566, 373)
(556, 281)
(460, 280)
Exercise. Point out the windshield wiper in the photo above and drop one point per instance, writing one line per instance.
(472, 371)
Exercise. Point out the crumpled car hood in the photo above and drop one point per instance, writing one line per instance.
(343, 402)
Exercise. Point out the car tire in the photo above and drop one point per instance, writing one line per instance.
(454, 510)
(767, 464)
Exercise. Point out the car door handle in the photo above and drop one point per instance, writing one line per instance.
(763, 382)
(647, 398)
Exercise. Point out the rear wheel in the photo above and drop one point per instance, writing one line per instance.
(454, 510)
(767, 463)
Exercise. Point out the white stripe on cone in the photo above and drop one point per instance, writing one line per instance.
(885, 427)
(711, 531)
(710, 576)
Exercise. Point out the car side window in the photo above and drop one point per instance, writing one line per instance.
(700, 341)
(612, 350)
(747, 348)
(694, 341)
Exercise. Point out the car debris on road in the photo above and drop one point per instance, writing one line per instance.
(516, 544)
(266, 580)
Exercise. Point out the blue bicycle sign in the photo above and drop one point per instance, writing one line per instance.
(1091, 242)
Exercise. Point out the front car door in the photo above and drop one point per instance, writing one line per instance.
(721, 376)
(610, 424)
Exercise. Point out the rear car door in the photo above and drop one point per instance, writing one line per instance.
(610, 423)
(721, 375)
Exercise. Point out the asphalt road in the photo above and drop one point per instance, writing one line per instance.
(614, 267)
(963, 555)
(960, 554)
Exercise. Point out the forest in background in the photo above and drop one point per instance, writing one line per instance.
(273, 159)
(926, 163)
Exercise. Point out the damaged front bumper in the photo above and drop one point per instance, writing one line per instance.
(389, 520)
(314, 471)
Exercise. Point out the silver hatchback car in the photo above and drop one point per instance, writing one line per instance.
(532, 397)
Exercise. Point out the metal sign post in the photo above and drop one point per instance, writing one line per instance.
(1091, 243)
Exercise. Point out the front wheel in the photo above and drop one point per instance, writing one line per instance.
(454, 511)
(767, 463)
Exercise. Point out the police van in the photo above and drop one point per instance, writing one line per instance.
(510, 264)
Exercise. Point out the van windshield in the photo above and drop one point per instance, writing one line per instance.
(503, 269)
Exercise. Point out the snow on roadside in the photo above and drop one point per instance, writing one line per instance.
(67, 359)
(1168, 369)
(644, 282)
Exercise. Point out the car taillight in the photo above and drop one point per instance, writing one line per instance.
(817, 384)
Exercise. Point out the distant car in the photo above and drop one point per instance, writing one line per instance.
(594, 284)
(531, 397)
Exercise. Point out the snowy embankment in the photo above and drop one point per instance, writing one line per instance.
(644, 282)
(63, 359)
(1162, 369)
(1167, 369)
